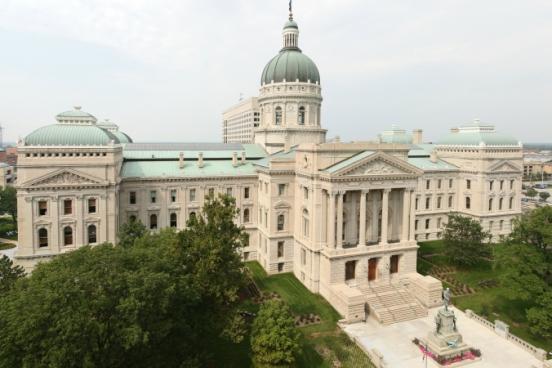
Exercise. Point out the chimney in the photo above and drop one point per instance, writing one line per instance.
(234, 159)
(417, 136)
(181, 160)
(200, 159)
(433, 157)
(243, 157)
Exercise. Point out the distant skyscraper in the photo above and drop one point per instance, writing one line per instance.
(239, 121)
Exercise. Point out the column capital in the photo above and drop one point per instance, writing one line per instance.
(387, 190)
(341, 192)
(364, 191)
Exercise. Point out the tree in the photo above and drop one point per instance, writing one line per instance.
(274, 338)
(9, 274)
(544, 196)
(130, 232)
(158, 303)
(8, 202)
(465, 241)
(531, 193)
(526, 259)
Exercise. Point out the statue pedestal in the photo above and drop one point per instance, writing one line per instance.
(445, 343)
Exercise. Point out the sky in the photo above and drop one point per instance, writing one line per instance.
(165, 70)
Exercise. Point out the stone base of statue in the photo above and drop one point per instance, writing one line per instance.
(445, 344)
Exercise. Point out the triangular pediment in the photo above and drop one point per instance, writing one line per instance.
(64, 178)
(504, 166)
(378, 164)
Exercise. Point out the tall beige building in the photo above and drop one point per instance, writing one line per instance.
(240, 121)
(345, 218)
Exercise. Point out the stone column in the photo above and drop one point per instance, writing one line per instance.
(362, 225)
(340, 219)
(385, 216)
(412, 233)
(331, 220)
(405, 218)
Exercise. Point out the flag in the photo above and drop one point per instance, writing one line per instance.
(290, 6)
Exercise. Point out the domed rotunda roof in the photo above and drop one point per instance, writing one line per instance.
(290, 65)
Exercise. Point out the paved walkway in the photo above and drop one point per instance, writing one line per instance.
(395, 343)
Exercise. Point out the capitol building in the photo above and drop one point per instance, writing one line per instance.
(344, 217)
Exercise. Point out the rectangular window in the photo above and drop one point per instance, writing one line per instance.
(211, 192)
(394, 267)
(428, 203)
(229, 192)
(281, 189)
(246, 192)
(511, 202)
(439, 184)
(501, 184)
(427, 223)
(491, 185)
(67, 207)
(280, 267)
(192, 195)
(417, 200)
(511, 184)
(42, 208)
(439, 202)
(350, 270)
(132, 197)
(280, 249)
(173, 195)
(428, 184)
(153, 196)
(468, 203)
(450, 202)
(450, 183)
(468, 184)
(281, 222)
(306, 193)
(303, 257)
(416, 225)
(438, 222)
(91, 205)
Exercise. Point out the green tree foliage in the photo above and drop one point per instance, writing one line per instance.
(274, 338)
(158, 303)
(531, 193)
(9, 274)
(8, 202)
(527, 262)
(544, 196)
(131, 231)
(465, 241)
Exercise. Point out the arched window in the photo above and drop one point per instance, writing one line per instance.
(281, 222)
(92, 236)
(132, 218)
(278, 116)
(301, 117)
(306, 223)
(174, 220)
(500, 201)
(153, 221)
(511, 202)
(67, 235)
(490, 204)
(42, 238)
(350, 270)
(246, 215)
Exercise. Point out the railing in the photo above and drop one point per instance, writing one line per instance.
(502, 329)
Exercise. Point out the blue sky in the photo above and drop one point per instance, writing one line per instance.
(164, 70)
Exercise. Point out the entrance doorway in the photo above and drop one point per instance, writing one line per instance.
(372, 268)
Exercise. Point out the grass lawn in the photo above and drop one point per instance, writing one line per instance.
(490, 301)
(322, 345)
(4, 246)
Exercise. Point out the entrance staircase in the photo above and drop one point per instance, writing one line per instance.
(391, 303)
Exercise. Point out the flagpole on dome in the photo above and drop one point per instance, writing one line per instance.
(290, 10)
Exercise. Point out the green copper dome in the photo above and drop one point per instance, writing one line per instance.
(477, 134)
(291, 24)
(290, 65)
(70, 135)
(122, 137)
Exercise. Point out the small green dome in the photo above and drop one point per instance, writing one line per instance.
(122, 137)
(291, 24)
(70, 135)
(477, 134)
(290, 65)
